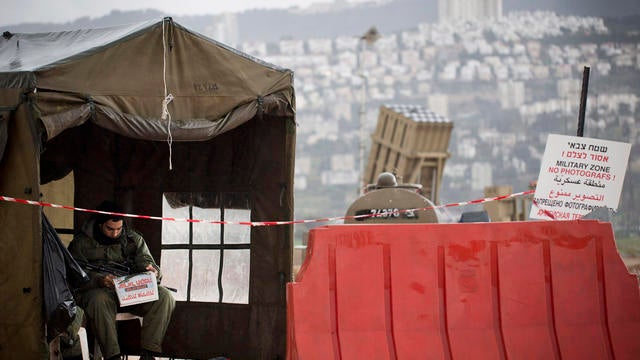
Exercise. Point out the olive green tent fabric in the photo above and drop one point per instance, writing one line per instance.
(20, 241)
(120, 76)
(137, 111)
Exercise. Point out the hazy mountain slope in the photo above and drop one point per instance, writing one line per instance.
(390, 17)
(272, 25)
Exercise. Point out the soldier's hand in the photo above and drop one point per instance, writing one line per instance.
(152, 269)
(107, 281)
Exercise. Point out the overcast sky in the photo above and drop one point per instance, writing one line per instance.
(60, 11)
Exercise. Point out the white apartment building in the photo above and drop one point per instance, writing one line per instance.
(224, 29)
(481, 175)
(511, 94)
(449, 10)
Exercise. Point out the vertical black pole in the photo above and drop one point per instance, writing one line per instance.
(583, 100)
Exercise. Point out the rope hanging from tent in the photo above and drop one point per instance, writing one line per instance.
(168, 97)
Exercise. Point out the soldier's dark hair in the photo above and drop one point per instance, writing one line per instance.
(108, 206)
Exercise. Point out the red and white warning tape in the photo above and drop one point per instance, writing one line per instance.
(261, 223)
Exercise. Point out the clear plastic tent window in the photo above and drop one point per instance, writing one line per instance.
(206, 262)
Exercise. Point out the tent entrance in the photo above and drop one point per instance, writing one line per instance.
(229, 277)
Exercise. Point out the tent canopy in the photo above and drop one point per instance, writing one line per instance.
(141, 114)
(102, 75)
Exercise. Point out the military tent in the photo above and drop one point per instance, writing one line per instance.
(166, 122)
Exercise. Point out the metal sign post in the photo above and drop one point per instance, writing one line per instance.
(583, 100)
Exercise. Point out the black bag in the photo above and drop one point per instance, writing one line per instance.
(58, 268)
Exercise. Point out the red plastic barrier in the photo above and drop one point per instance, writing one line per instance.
(519, 290)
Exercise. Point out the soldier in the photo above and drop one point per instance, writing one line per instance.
(104, 239)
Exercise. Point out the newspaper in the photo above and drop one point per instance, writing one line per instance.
(136, 289)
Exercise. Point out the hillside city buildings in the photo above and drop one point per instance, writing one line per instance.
(505, 82)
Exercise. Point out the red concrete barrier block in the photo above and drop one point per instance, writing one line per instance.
(522, 290)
